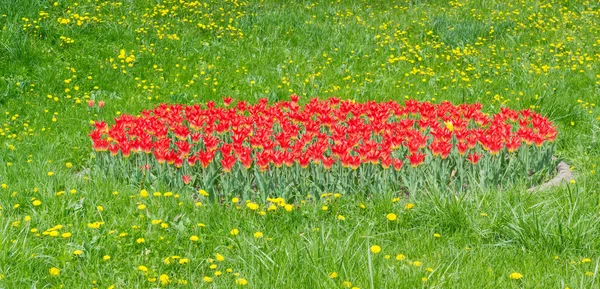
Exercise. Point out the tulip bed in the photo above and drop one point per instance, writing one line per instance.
(288, 149)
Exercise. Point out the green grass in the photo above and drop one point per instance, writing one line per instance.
(504, 53)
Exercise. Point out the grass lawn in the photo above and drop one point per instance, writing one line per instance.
(65, 222)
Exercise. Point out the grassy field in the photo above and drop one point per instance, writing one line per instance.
(64, 225)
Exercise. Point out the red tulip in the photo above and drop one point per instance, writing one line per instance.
(474, 158)
(416, 159)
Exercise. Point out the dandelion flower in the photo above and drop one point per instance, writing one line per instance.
(219, 257)
(333, 275)
(258, 235)
(288, 207)
(375, 249)
(516, 276)
(207, 279)
(36, 203)
(194, 238)
(409, 206)
(241, 281)
(77, 252)
(391, 217)
(164, 279)
(234, 232)
(54, 271)
(106, 258)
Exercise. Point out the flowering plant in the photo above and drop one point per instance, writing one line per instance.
(327, 145)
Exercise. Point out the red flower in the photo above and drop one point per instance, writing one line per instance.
(227, 100)
(186, 179)
(397, 164)
(416, 159)
(227, 162)
(474, 158)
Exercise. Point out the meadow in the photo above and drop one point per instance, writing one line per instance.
(66, 222)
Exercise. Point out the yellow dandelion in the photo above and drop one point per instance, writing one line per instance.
(515, 276)
(77, 252)
(375, 249)
(164, 279)
(54, 271)
(258, 235)
(252, 206)
(333, 275)
(36, 203)
(409, 206)
(391, 217)
(241, 281)
(234, 232)
(194, 238)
